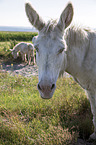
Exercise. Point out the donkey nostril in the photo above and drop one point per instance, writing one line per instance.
(39, 87)
(44, 88)
(53, 86)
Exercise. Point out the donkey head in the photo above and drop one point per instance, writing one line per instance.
(14, 53)
(50, 48)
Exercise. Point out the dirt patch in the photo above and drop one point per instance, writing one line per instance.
(16, 68)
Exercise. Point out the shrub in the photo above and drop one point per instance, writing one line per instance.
(18, 36)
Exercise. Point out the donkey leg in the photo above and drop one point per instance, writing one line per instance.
(25, 58)
(29, 58)
(33, 57)
(22, 55)
(91, 96)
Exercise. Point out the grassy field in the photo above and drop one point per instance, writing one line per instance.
(19, 36)
(26, 119)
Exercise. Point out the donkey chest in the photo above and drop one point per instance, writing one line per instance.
(84, 69)
(86, 79)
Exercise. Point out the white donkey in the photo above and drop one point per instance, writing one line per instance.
(25, 49)
(53, 56)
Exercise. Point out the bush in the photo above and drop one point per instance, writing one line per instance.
(12, 43)
(18, 36)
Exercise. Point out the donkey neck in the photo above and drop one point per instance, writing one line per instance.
(77, 45)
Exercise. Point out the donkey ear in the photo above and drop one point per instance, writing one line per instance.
(66, 17)
(34, 18)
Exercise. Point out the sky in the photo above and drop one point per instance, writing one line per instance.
(12, 12)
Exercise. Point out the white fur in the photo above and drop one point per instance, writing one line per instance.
(25, 49)
(34, 39)
(78, 57)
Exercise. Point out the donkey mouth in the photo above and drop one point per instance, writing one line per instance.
(46, 98)
(47, 94)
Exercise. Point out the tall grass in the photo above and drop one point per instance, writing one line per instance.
(25, 118)
(19, 36)
(5, 53)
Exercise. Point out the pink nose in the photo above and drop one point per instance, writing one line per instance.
(46, 89)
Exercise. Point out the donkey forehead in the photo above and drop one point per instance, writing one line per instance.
(50, 41)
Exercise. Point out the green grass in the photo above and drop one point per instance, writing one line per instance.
(19, 36)
(25, 118)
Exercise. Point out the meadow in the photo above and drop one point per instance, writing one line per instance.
(26, 119)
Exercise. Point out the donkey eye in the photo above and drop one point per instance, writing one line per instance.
(61, 50)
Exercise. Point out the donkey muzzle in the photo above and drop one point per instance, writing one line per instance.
(46, 89)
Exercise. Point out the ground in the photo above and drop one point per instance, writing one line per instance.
(19, 68)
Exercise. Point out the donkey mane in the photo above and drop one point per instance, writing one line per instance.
(76, 36)
(49, 26)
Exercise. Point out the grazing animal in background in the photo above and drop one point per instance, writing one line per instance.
(25, 49)
(58, 50)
